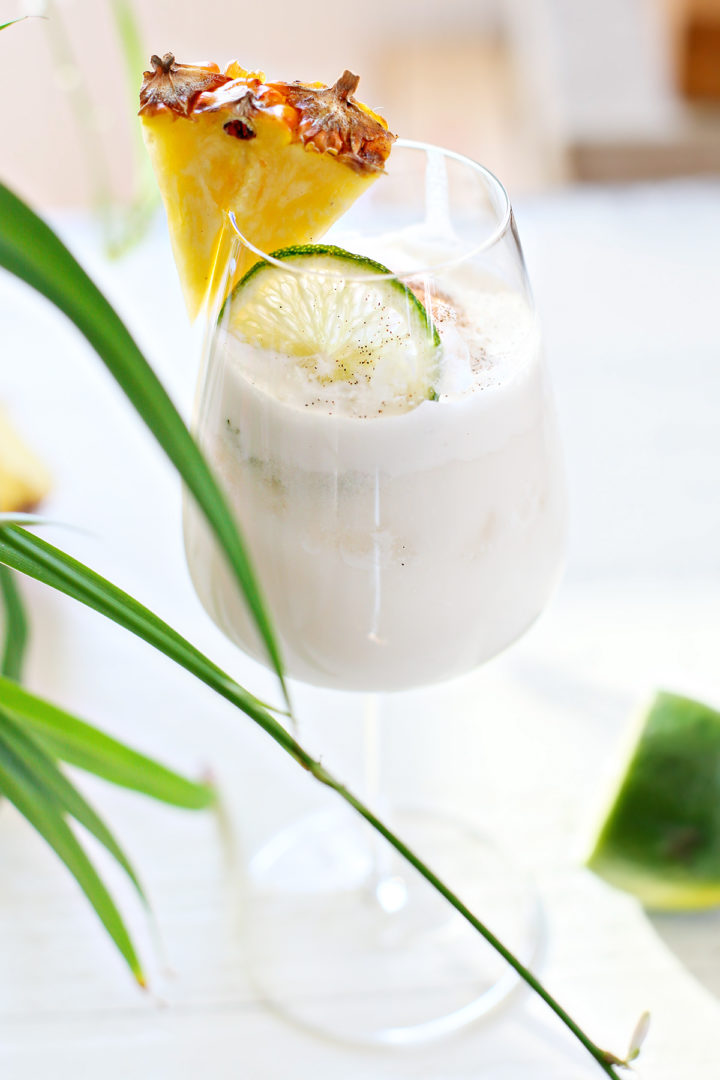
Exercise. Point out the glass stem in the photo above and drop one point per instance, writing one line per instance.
(386, 885)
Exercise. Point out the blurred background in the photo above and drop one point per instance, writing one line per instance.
(544, 92)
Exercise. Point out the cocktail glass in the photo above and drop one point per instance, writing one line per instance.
(398, 544)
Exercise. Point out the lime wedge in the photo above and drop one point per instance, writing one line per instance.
(344, 318)
(660, 839)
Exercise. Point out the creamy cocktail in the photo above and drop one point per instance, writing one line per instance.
(398, 541)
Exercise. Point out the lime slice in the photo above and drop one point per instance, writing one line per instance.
(660, 839)
(347, 326)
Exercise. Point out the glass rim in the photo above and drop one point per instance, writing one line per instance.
(497, 233)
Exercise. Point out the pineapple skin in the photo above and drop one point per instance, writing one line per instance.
(281, 192)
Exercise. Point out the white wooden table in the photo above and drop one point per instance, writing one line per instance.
(628, 285)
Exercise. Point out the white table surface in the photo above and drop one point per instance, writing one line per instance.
(628, 284)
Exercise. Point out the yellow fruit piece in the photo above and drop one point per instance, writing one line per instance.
(24, 479)
(287, 159)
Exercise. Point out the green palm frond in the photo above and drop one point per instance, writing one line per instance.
(22, 551)
(15, 626)
(31, 250)
(14, 22)
(34, 736)
(46, 814)
(38, 763)
(69, 739)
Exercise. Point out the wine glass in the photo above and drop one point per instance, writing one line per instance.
(406, 522)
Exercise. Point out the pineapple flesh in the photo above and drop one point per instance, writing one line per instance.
(24, 479)
(287, 158)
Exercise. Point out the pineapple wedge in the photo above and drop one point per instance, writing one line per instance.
(24, 480)
(287, 158)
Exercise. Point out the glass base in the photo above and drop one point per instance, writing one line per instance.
(346, 940)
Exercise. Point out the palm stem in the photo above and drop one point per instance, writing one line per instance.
(321, 774)
(324, 777)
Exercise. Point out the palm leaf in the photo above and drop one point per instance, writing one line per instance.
(13, 22)
(46, 773)
(30, 555)
(25, 552)
(31, 250)
(77, 743)
(16, 627)
(45, 814)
